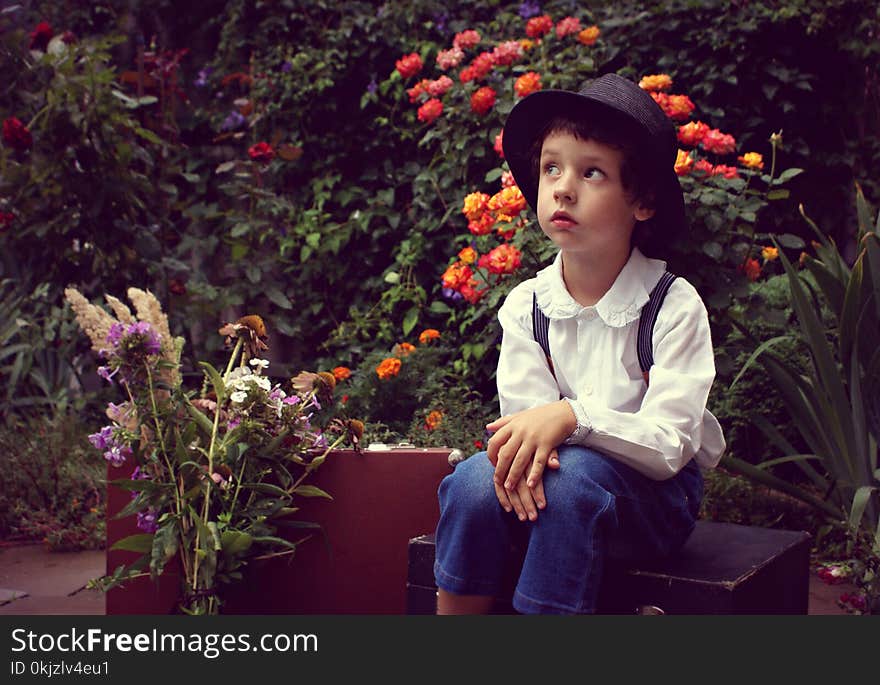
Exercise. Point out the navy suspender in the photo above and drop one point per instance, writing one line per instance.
(644, 345)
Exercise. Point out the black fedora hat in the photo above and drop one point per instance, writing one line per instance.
(616, 98)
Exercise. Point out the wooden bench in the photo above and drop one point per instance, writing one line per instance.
(724, 568)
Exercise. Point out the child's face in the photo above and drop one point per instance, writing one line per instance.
(582, 204)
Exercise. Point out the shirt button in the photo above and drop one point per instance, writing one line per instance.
(588, 390)
(590, 314)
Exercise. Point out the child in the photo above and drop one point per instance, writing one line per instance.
(624, 448)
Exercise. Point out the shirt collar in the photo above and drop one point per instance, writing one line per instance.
(618, 307)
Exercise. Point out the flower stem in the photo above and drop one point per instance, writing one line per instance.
(308, 472)
(209, 482)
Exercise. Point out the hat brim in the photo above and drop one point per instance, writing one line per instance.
(531, 115)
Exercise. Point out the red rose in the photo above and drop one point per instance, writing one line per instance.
(16, 134)
(6, 219)
(261, 152)
(483, 100)
(409, 65)
(41, 36)
(538, 26)
(432, 109)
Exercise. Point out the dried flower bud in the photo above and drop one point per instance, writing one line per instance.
(327, 379)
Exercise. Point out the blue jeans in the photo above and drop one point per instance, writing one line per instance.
(597, 508)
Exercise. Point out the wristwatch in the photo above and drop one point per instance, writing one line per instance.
(583, 428)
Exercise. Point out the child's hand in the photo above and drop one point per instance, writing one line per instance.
(528, 437)
(525, 501)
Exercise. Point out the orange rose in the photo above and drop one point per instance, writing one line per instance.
(692, 133)
(589, 35)
(428, 335)
(527, 84)
(752, 160)
(683, 163)
(468, 255)
(457, 275)
(656, 82)
(475, 205)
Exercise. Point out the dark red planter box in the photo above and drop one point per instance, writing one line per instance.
(381, 499)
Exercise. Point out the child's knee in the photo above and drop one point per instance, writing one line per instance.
(469, 487)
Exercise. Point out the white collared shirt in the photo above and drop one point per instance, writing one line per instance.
(656, 428)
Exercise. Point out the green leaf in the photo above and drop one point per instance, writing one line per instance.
(216, 381)
(791, 241)
(713, 249)
(279, 298)
(235, 542)
(311, 491)
(215, 535)
(266, 489)
(762, 348)
(164, 547)
(787, 175)
(410, 319)
(493, 175)
(866, 222)
(142, 542)
(827, 374)
(203, 421)
(148, 135)
(273, 540)
(778, 194)
(752, 472)
(859, 503)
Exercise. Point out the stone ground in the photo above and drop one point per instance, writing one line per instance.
(35, 581)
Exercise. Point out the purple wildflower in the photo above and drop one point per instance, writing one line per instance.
(105, 373)
(320, 441)
(233, 423)
(235, 120)
(144, 331)
(146, 521)
(292, 399)
(286, 66)
(117, 454)
(372, 86)
(138, 474)
(451, 294)
(529, 8)
(114, 335)
(103, 438)
(202, 80)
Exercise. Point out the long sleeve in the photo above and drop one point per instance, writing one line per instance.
(666, 430)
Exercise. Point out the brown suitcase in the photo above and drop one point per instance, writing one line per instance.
(382, 497)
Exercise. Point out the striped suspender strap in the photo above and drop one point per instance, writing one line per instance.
(645, 345)
(541, 330)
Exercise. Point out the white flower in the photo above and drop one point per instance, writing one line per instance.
(259, 364)
(238, 396)
(262, 382)
(237, 374)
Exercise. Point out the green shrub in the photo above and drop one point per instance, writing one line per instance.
(52, 486)
(763, 314)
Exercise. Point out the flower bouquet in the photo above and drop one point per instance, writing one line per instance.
(218, 471)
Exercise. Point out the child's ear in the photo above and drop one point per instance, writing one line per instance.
(643, 212)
